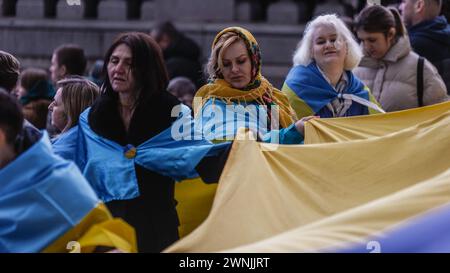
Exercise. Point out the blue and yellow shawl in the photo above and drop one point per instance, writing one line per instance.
(309, 92)
(110, 167)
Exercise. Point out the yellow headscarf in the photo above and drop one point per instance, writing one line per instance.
(260, 90)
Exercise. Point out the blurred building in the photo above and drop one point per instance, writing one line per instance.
(31, 29)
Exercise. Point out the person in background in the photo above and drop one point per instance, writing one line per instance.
(11, 123)
(182, 88)
(35, 93)
(9, 71)
(321, 81)
(96, 73)
(389, 67)
(74, 95)
(181, 54)
(67, 59)
(9, 74)
(429, 33)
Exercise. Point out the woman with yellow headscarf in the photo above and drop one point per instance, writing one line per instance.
(237, 95)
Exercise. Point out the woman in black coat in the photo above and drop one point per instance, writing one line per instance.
(134, 107)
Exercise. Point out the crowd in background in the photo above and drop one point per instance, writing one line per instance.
(369, 60)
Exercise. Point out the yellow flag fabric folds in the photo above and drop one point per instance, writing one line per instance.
(194, 201)
(362, 127)
(318, 197)
(97, 228)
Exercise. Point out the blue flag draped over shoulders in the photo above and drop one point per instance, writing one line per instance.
(308, 83)
(110, 167)
(41, 197)
(65, 145)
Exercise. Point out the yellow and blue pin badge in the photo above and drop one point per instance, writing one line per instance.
(129, 151)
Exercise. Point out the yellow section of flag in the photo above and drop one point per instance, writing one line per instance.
(316, 197)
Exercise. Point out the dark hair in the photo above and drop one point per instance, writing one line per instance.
(147, 65)
(377, 18)
(167, 28)
(72, 56)
(11, 117)
(31, 76)
(180, 86)
(9, 71)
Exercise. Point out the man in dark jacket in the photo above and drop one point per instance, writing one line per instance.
(429, 33)
(181, 54)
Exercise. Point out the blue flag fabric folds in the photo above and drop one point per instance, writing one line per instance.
(220, 121)
(37, 206)
(109, 167)
(65, 145)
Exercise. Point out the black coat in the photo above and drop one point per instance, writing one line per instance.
(153, 213)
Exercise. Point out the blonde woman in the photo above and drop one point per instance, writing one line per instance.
(321, 81)
(73, 96)
(239, 96)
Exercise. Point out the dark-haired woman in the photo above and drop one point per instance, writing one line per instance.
(134, 107)
(389, 66)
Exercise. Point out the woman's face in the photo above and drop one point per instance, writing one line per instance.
(328, 49)
(237, 67)
(59, 118)
(119, 70)
(376, 44)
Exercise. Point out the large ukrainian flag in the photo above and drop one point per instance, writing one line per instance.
(110, 169)
(46, 205)
(336, 196)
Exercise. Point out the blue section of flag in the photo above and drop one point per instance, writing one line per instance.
(65, 145)
(427, 233)
(111, 170)
(41, 197)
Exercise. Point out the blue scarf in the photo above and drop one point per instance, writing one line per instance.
(41, 198)
(110, 167)
(65, 145)
(310, 86)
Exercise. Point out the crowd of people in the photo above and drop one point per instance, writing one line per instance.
(107, 122)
